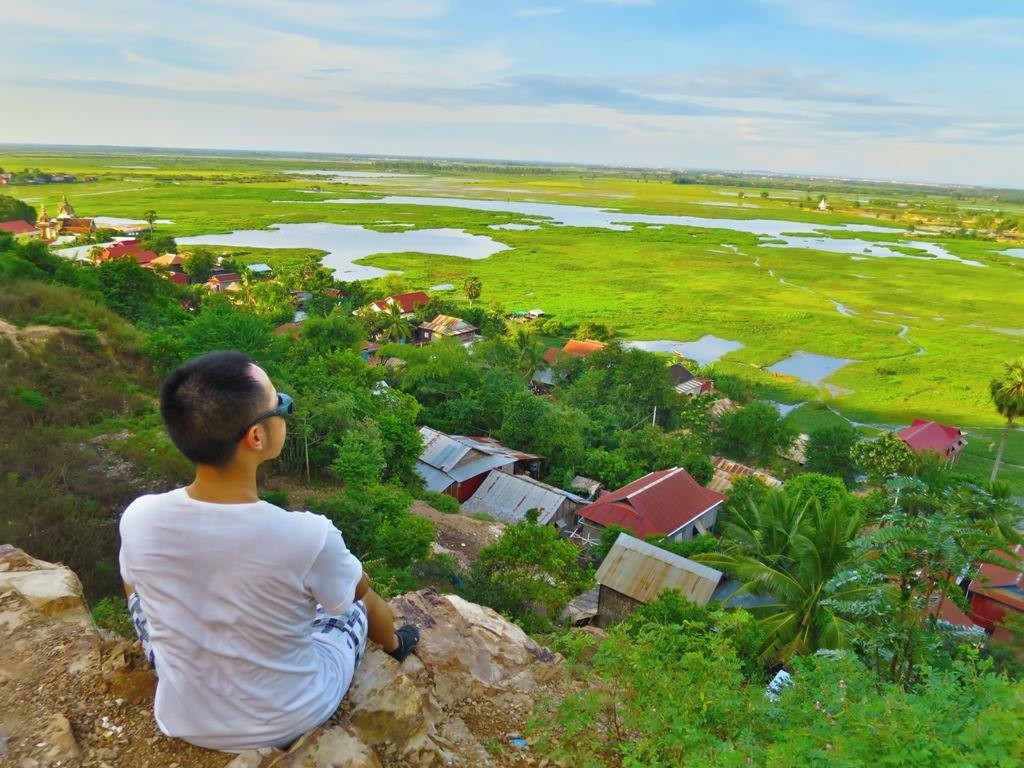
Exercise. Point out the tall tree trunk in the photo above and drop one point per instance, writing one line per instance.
(999, 451)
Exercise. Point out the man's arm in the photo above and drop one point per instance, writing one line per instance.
(129, 589)
(379, 618)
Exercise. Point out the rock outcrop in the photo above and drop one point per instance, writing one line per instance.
(73, 696)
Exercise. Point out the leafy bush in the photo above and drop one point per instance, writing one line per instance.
(442, 502)
(277, 498)
(112, 613)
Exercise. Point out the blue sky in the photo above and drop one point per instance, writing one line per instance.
(926, 91)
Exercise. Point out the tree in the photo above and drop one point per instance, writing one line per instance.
(828, 452)
(882, 457)
(790, 550)
(198, 265)
(755, 432)
(911, 562)
(593, 332)
(829, 492)
(1008, 396)
(529, 574)
(472, 286)
(395, 326)
(150, 216)
(11, 208)
(530, 352)
(328, 334)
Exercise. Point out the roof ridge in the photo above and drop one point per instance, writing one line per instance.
(669, 473)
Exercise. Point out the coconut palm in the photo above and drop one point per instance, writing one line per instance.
(529, 351)
(1008, 396)
(788, 551)
(395, 327)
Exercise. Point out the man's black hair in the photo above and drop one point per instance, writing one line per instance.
(207, 402)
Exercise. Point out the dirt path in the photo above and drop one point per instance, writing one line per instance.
(458, 535)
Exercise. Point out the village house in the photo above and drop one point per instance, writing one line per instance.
(224, 281)
(407, 302)
(21, 230)
(634, 573)
(587, 487)
(526, 463)
(931, 437)
(543, 379)
(685, 383)
(667, 503)
(455, 466)
(446, 327)
(260, 270)
(65, 223)
(727, 472)
(573, 348)
(997, 592)
(126, 249)
(508, 498)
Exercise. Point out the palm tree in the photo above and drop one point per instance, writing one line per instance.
(789, 550)
(1008, 396)
(396, 327)
(529, 351)
(150, 216)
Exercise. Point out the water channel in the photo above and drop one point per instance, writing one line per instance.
(345, 243)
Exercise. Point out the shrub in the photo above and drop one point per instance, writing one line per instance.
(442, 502)
(112, 613)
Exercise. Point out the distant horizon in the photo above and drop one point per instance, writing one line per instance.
(867, 89)
(218, 151)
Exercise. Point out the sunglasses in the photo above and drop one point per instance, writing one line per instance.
(285, 408)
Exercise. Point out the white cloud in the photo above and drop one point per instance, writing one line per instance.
(877, 22)
(540, 10)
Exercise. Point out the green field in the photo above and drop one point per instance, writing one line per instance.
(675, 283)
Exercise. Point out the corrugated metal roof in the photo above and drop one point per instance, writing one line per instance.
(509, 497)
(447, 325)
(436, 480)
(727, 471)
(456, 459)
(490, 445)
(642, 571)
(440, 450)
(661, 502)
(924, 435)
(484, 463)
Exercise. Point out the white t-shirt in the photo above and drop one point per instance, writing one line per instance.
(230, 591)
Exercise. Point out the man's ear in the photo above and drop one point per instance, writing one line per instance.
(255, 438)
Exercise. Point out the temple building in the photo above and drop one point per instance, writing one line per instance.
(66, 222)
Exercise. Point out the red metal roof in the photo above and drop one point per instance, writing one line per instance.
(1005, 585)
(574, 348)
(17, 227)
(407, 301)
(661, 503)
(131, 248)
(582, 348)
(925, 435)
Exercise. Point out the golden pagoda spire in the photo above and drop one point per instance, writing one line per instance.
(66, 211)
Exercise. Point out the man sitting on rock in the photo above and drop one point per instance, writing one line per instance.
(254, 618)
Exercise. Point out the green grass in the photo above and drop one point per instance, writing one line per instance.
(674, 283)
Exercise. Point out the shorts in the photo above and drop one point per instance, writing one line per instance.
(346, 633)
